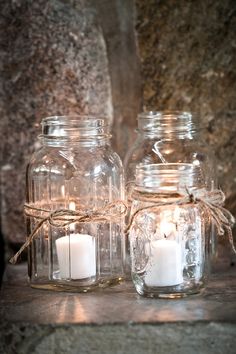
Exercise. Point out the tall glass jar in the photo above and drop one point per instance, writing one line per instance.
(169, 235)
(75, 169)
(170, 137)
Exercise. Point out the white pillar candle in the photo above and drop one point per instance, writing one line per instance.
(165, 264)
(76, 256)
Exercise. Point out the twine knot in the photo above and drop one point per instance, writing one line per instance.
(112, 212)
(210, 201)
(192, 199)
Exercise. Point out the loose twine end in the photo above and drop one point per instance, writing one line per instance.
(64, 217)
(211, 202)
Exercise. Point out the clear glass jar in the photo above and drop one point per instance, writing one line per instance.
(75, 169)
(169, 243)
(170, 137)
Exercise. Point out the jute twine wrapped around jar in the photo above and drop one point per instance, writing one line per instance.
(210, 202)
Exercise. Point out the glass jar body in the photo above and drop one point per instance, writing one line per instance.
(149, 149)
(169, 137)
(76, 174)
(169, 251)
(169, 234)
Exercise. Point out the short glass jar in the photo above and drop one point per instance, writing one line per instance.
(75, 169)
(169, 238)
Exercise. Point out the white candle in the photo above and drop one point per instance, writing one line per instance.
(76, 256)
(165, 264)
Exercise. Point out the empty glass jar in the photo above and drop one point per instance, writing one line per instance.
(169, 137)
(169, 234)
(75, 170)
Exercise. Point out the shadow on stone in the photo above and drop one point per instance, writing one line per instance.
(2, 263)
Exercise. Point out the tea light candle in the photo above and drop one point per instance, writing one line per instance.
(165, 264)
(76, 256)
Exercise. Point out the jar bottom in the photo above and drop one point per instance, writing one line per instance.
(168, 292)
(169, 295)
(70, 286)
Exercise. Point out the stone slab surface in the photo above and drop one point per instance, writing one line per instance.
(117, 320)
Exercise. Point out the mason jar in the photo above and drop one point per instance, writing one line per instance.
(75, 170)
(169, 233)
(171, 137)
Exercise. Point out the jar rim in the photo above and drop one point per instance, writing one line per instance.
(160, 167)
(166, 175)
(166, 113)
(77, 119)
(167, 122)
(85, 129)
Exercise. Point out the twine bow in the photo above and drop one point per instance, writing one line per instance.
(64, 217)
(210, 202)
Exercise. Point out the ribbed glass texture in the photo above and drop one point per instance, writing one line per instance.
(75, 169)
(169, 239)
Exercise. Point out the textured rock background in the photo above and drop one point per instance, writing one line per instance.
(60, 57)
(188, 55)
(117, 19)
(54, 61)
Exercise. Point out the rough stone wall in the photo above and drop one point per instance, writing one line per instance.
(188, 56)
(60, 57)
(54, 61)
(117, 19)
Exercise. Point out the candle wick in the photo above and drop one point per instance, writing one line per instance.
(165, 236)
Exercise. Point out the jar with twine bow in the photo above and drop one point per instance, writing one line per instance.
(74, 207)
(170, 228)
(171, 137)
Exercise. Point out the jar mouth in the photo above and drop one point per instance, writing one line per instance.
(75, 127)
(168, 176)
(167, 122)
